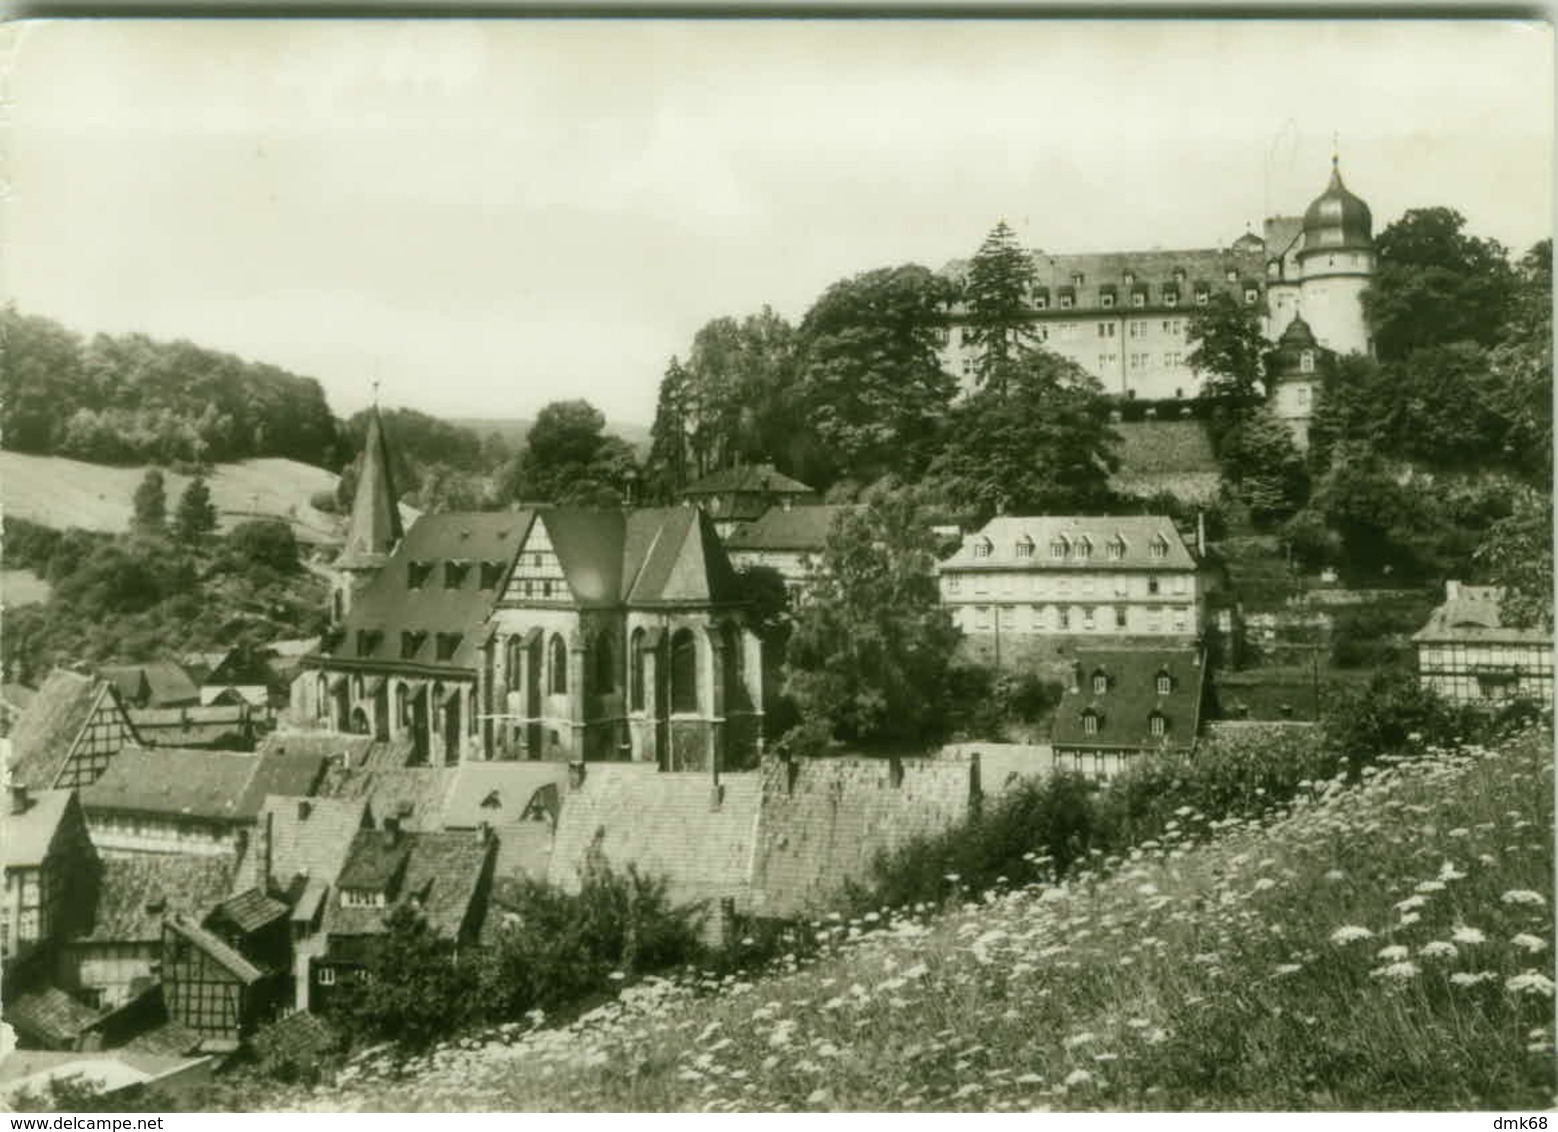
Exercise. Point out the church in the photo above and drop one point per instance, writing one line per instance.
(1124, 316)
(555, 633)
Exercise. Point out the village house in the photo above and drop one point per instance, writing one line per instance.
(70, 732)
(1468, 655)
(789, 540)
(1029, 590)
(212, 988)
(733, 496)
(1122, 703)
(216, 727)
(517, 802)
(158, 684)
(50, 870)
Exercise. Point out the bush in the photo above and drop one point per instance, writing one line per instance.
(1390, 713)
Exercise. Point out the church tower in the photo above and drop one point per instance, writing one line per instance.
(375, 529)
(1293, 374)
(1335, 261)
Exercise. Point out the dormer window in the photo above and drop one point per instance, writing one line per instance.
(1165, 684)
(417, 574)
(491, 575)
(1138, 298)
(1116, 548)
(367, 641)
(1158, 547)
(1130, 277)
(411, 644)
(983, 547)
(1157, 724)
(448, 643)
(1077, 279)
(454, 574)
(1179, 275)
(1306, 362)
(1251, 294)
(1106, 299)
(1059, 547)
(1170, 296)
(1233, 275)
(1100, 683)
(1203, 296)
(1041, 297)
(1090, 722)
(1084, 548)
(1066, 301)
(1025, 547)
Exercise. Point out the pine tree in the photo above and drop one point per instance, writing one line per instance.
(998, 319)
(665, 469)
(151, 503)
(196, 516)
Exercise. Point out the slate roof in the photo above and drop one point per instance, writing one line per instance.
(497, 792)
(1472, 616)
(683, 562)
(388, 605)
(46, 732)
(1125, 708)
(800, 529)
(327, 745)
(1005, 531)
(310, 837)
(136, 892)
(250, 911)
(174, 781)
(30, 834)
(282, 771)
(413, 794)
(163, 682)
(49, 1014)
(748, 478)
(1281, 231)
(234, 963)
(443, 873)
(376, 861)
(375, 524)
(1203, 268)
(664, 824)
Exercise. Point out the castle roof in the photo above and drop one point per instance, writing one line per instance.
(375, 526)
(1029, 543)
(792, 529)
(1337, 218)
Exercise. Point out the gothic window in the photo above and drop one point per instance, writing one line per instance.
(512, 660)
(684, 671)
(636, 675)
(557, 656)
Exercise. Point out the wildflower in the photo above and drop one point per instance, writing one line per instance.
(1523, 896)
(1080, 1039)
(1471, 979)
(1148, 889)
(1467, 935)
(1430, 886)
(1438, 949)
(1528, 942)
(1348, 933)
(1078, 1077)
(1448, 871)
(1265, 883)
(1289, 968)
(1335, 874)
(1400, 972)
(952, 878)
(1529, 982)
(1408, 919)
(1392, 954)
(1411, 902)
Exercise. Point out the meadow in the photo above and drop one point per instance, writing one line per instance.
(1384, 943)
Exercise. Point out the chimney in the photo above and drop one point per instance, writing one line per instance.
(575, 775)
(20, 801)
(1452, 591)
(305, 807)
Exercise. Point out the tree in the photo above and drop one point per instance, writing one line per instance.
(1520, 386)
(267, 543)
(997, 317)
(1517, 555)
(1228, 348)
(196, 516)
(1263, 468)
(151, 503)
(1434, 285)
(1035, 440)
(666, 467)
(871, 383)
(872, 646)
(569, 459)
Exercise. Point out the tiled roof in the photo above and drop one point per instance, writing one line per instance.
(496, 792)
(30, 834)
(413, 794)
(749, 478)
(280, 771)
(174, 781)
(666, 825)
(443, 875)
(388, 605)
(375, 522)
(136, 892)
(47, 731)
(793, 529)
(684, 563)
(310, 837)
(1202, 268)
(165, 683)
(1005, 532)
(250, 911)
(1125, 709)
(376, 860)
(327, 745)
(234, 963)
(49, 1014)
(1472, 615)
(209, 725)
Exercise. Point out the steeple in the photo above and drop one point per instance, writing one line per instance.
(375, 528)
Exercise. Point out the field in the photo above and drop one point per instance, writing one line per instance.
(1380, 946)
(58, 492)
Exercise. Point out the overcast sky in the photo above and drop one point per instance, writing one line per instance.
(491, 216)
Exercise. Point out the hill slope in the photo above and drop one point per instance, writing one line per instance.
(58, 492)
(1386, 946)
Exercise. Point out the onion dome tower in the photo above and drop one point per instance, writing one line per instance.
(1293, 374)
(375, 529)
(1336, 262)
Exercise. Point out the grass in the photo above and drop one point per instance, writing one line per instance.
(1384, 946)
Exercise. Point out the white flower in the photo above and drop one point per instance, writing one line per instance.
(1080, 1039)
(1430, 886)
(1078, 1077)
(1400, 972)
(1523, 896)
(1265, 883)
(1289, 968)
(1438, 949)
(1529, 982)
(1347, 933)
(1448, 871)
(1393, 954)
(1528, 942)
(1408, 919)
(1411, 902)
(1335, 874)
(1464, 934)
(1469, 979)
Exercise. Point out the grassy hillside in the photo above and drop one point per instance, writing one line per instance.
(58, 492)
(1385, 946)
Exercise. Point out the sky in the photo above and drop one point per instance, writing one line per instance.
(488, 216)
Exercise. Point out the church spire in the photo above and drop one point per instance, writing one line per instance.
(375, 528)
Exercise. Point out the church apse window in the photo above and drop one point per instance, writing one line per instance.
(605, 664)
(557, 662)
(684, 672)
(636, 675)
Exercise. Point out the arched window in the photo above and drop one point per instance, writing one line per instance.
(605, 664)
(402, 705)
(1115, 549)
(557, 659)
(512, 662)
(684, 672)
(323, 699)
(1084, 548)
(636, 675)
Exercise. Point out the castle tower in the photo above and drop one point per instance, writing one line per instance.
(1293, 373)
(1335, 262)
(375, 528)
